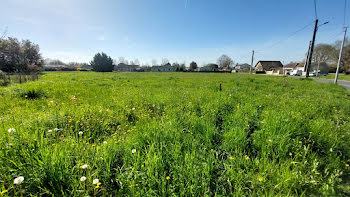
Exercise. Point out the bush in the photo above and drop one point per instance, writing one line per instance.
(3, 79)
(33, 94)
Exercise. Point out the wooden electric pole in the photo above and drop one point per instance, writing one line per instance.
(251, 65)
(340, 54)
(307, 58)
(311, 49)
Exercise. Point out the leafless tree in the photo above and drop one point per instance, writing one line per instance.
(3, 33)
(154, 62)
(165, 61)
(122, 60)
(225, 61)
(136, 62)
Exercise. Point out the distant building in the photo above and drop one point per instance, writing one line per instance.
(240, 67)
(121, 67)
(290, 67)
(269, 67)
(164, 68)
(209, 68)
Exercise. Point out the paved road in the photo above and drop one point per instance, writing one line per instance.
(345, 84)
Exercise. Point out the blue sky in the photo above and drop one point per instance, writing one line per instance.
(179, 30)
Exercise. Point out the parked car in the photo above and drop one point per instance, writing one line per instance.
(296, 73)
(312, 74)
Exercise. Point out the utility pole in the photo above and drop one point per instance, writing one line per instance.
(340, 54)
(251, 65)
(311, 49)
(307, 58)
(318, 66)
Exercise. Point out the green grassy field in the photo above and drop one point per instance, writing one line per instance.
(174, 134)
(340, 77)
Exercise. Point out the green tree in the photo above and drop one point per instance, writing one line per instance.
(193, 66)
(19, 57)
(102, 63)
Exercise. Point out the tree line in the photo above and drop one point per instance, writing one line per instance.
(328, 54)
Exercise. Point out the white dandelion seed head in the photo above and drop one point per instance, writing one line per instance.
(133, 108)
(83, 178)
(18, 180)
(95, 181)
(81, 133)
(133, 151)
(104, 142)
(84, 166)
(10, 130)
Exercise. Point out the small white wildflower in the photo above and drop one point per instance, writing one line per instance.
(107, 109)
(50, 131)
(84, 166)
(133, 151)
(10, 130)
(104, 142)
(51, 101)
(18, 180)
(331, 149)
(81, 133)
(95, 181)
(133, 108)
(56, 129)
(83, 178)
(270, 140)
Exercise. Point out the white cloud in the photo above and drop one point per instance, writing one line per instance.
(100, 38)
(69, 56)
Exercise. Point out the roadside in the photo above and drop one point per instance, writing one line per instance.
(340, 77)
(345, 84)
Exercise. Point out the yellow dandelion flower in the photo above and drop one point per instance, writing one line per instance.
(293, 162)
(53, 144)
(212, 149)
(261, 179)
(93, 145)
(4, 191)
(97, 186)
(168, 178)
(232, 158)
(246, 157)
(347, 165)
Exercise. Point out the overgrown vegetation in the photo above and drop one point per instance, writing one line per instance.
(151, 134)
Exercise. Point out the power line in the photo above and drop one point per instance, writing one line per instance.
(291, 35)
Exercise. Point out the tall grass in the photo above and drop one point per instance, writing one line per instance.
(162, 134)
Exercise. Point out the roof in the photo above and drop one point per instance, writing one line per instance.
(269, 65)
(241, 66)
(166, 66)
(122, 65)
(291, 65)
